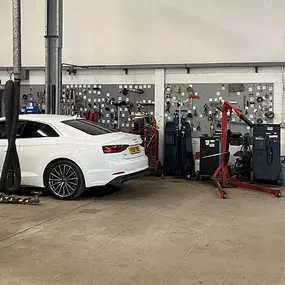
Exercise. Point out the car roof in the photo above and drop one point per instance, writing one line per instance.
(44, 118)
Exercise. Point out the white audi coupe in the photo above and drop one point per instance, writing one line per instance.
(67, 154)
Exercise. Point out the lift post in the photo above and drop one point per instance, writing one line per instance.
(221, 177)
(10, 181)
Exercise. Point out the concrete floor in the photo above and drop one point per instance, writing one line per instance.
(152, 231)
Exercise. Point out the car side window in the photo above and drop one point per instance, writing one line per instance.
(3, 133)
(38, 130)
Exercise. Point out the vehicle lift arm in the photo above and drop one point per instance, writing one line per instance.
(221, 177)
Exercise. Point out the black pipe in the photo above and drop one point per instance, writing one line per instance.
(246, 120)
(11, 172)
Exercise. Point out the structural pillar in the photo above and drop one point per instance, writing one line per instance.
(53, 56)
(159, 109)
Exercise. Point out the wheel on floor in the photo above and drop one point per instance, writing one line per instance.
(64, 180)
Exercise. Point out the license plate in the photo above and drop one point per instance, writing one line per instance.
(134, 149)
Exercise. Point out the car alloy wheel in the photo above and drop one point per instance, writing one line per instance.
(65, 180)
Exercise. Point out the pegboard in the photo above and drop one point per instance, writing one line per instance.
(33, 94)
(254, 100)
(115, 104)
(77, 99)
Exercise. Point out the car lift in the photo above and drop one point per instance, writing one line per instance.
(13, 199)
(221, 177)
(10, 180)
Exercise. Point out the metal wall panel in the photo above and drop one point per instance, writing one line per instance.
(254, 100)
(80, 98)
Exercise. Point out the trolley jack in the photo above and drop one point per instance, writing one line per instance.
(13, 199)
(221, 177)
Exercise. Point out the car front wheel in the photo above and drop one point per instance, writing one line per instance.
(64, 180)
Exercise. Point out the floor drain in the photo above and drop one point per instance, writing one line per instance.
(90, 211)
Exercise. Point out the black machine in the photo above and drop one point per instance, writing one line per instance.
(266, 162)
(242, 166)
(178, 152)
(209, 161)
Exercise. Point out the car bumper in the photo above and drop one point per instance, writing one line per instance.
(116, 171)
(124, 178)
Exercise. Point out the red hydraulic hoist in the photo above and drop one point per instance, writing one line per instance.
(221, 177)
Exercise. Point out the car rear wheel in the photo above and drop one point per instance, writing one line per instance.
(64, 180)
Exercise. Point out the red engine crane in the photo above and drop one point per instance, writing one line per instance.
(221, 177)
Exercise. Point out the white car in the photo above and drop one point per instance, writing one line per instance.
(68, 154)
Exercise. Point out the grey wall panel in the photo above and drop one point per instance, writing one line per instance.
(204, 112)
(80, 98)
(254, 100)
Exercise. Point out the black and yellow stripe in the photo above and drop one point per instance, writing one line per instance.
(13, 199)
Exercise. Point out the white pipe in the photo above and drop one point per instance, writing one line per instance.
(17, 39)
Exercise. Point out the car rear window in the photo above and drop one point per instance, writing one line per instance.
(88, 127)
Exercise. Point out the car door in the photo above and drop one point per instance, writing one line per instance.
(4, 141)
(37, 143)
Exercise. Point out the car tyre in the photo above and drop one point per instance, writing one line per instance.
(64, 180)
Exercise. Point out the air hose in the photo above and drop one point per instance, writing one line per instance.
(11, 172)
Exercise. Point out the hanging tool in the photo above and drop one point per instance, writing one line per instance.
(206, 109)
(168, 105)
(221, 177)
(191, 97)
(125, 91)
(259, 99)
(269, 115)
(168, 90)
(190, 90)
(259, 121)
(198, 128)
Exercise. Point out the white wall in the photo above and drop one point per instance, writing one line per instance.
(33, 31)
(153, 31)
(160, 77)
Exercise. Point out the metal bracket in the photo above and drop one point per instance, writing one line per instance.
(50, 36)
(72, 70)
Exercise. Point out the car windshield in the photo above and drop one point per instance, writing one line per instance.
(88, 127)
